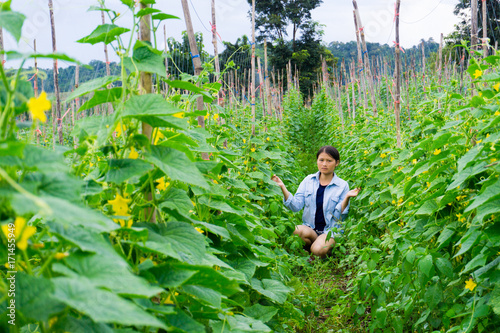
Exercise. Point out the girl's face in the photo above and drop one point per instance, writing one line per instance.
(327, 164)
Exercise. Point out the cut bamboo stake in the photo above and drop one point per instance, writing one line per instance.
(216, 52)
(35, 88)
(268, 81)
(474, 35)
(165, 88)
(366, 58)
(261, 96)
(195, 56)
(360, 68)
(1, 44)
(56, 81)
(146, 87)
(397, 102)
(485, 31)
(108, 71)
(253, 67)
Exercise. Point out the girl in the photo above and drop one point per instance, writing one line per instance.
(326, 200)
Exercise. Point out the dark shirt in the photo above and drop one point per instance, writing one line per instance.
(319, 218)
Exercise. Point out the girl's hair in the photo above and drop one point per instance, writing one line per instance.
(332, 151)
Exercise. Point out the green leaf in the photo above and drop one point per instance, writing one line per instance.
(273, 289)
(185, 85)
(495, 300)
(110, 273)
(146, 11)
(176, 165)
(445, 237)
(35, 297)
(169, 275)
(102, 96)
(493, 234)
(101, 305)
(433, 295)
(439, 140)
(177, 199)
(491, 193)
(148, 105)
(124, 169)
(85, 239)
(174, 239)
(206, 295)
(145, 59)
(105, 33)
(477, 261)
(68, 213)
(80, 325)
(184, 322)
(425, 265)
(219, 204)
(429, 207)
(242, 324)
(462, 176)
(90, 86)
(12, 22)
(163, 16)
(444, 266)
(261, 312)
(468, 241)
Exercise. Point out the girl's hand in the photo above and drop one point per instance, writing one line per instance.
(353, 193)
(277, 180)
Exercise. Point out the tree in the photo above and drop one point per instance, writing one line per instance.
(274, 16)
(462, 29)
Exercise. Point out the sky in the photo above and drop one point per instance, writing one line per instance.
(419, 19)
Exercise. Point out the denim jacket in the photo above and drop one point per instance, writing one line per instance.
(335, 193)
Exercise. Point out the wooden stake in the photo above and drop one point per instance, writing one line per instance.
(360, 68)
(108, 71)
(216, 52)
(366, 58)
(35, 88)
(397, 102)
(485, 30)
(56, 81)
(474, 35)
(268, 81)
(196, 62)
(253, 67)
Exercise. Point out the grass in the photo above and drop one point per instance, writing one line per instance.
(326, 284)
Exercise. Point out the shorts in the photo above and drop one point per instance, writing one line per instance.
(319, 232)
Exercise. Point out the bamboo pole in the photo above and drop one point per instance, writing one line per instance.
(261, 95)
(35, 88)
(1, 45)
(216, 51)
(474, 35)
(268, 81)
(360, 64)
(397, 102)
(106, 58)
(367, 67)
(196, 62)
(56, 71)
(485, 30)
(253, 68)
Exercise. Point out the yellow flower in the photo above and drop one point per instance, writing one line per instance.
(366, 152)
(393, 201)
(179, 115)
(497, 86)
(437, 151)
(253, 150)
(120, 128)
(38, 106)
(215, 182)
(162, 185)
(158, 135)
(497, 113)
(200, 230)
(414, 161)
(22, 232)
(267, 139)
(61, 255)
(392, 158)
(246, 162)
(383, 155)
(216, 116)
(371, 203)
(122, 222)
(244, 141)
(133, 154)
(477, 73)
(120, 205)
(470, 284)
